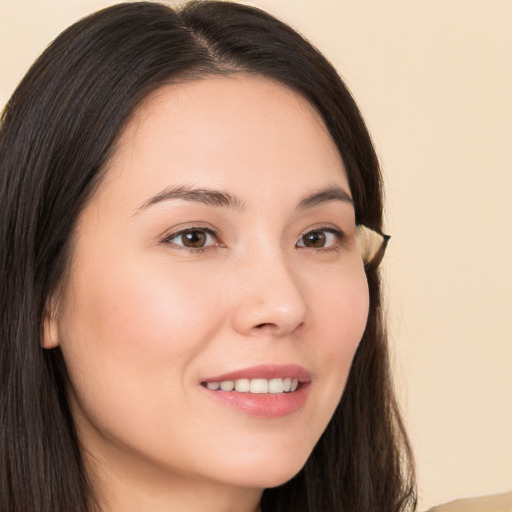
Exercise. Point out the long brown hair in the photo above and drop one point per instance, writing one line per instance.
(57, 132)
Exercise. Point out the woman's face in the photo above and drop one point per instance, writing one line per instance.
(219, 248)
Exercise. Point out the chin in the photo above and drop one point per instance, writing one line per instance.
(274, 472)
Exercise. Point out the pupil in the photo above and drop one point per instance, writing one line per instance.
(315, 239)
(194, 239)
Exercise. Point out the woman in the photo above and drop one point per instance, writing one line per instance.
(191, 318)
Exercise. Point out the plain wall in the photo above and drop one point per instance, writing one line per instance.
(434, 81)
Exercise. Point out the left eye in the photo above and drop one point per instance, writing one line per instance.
(193, 238)
(319, 239)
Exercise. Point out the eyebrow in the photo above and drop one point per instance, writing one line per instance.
(212, 197)
(332, 193)
(200, 195)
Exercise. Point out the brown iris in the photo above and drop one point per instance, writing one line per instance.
(315, 239)
(194, 239)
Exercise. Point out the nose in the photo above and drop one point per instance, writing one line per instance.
(270, 298)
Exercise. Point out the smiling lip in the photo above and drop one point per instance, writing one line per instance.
(268, 405)
(265, 371)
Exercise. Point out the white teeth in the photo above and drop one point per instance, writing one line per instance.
(242, 385)
(275, 386)
(227, 385)
(257, 386)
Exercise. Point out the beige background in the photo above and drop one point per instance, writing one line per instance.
(434, 80)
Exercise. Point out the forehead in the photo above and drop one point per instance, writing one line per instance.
(241, 131)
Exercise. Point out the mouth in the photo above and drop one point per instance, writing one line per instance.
(267, 391)
(256, 386)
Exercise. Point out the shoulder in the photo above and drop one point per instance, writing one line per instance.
(494, 503)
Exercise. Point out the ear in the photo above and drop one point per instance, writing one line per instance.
(50, 336)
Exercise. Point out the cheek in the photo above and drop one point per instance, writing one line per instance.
(138, 311)
(128, 335)
(340, 321)
(341, 312)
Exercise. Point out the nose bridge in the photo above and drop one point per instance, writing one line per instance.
(270, 293)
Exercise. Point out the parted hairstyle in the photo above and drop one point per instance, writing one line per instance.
(56, 135)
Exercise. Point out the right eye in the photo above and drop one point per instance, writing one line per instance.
(192, 238)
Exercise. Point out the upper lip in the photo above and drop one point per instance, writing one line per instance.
(265, 371)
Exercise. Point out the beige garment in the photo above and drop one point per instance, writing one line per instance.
(494, 503)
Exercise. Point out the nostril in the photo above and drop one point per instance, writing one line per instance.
(266, 326)
(276, 329)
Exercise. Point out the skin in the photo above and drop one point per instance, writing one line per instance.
(142, 320)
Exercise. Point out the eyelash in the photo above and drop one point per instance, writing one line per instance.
(167, 239)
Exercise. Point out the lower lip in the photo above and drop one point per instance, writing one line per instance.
(264, 405)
